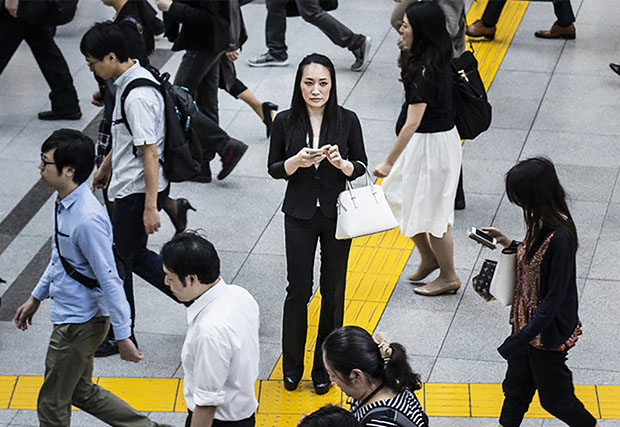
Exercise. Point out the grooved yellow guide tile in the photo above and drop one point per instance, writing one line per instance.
(609, 400)
(446, 400)
(26, 392)
(486, 400)
(7, 384)
(144, 394)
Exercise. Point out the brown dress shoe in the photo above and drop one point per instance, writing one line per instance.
(478, 29)
(557, 32)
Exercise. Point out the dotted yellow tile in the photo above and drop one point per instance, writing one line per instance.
(609, 400)
(447, 400)
(275, 399)
(277, 420)
(486, 400)
(144, 394)
(7, 384)
(26, 393)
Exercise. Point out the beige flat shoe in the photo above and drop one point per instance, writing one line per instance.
(422, 274)
(437, 287)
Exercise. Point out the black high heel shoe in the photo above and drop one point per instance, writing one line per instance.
(179, 219)
(267, 108)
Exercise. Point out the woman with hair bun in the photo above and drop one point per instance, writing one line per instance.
(377, 377)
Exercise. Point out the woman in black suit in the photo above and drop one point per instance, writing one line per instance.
(315, 146)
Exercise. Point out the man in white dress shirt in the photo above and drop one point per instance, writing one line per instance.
(220, 354)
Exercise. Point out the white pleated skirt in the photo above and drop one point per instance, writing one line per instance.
(421, 186)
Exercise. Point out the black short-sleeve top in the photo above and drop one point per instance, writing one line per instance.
(436, 92)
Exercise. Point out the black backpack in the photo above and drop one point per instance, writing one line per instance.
(182, 149)
(473, 111)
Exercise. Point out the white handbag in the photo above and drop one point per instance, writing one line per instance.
(505, 276)
(363, 211)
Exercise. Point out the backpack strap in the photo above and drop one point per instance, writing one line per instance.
(132, 84)
(135, 23)
(387, 414)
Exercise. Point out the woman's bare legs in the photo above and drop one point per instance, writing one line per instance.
(249, 98)
(443, 250)
(428, 261)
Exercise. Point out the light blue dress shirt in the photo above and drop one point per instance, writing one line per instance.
(85, 239)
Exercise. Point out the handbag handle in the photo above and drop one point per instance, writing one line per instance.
(369, 183)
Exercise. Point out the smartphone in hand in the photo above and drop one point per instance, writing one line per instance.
(481, 237)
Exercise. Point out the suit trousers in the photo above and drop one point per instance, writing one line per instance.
(68, 379)
(545, 371)
(301, 237)
(131, 239)
(562, 8)
(40, 39)
(312, 12)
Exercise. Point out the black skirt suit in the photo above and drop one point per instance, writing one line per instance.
(305, 224)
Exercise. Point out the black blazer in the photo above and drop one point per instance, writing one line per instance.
(324, 182)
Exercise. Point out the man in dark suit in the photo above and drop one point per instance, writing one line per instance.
(31, 20)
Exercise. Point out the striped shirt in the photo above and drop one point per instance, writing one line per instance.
(405, 402)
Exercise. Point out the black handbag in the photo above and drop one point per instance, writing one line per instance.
(482, 282)
(473, 111)
(293, 10)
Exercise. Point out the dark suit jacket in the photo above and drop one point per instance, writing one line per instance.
(324, 182)
(205, 25)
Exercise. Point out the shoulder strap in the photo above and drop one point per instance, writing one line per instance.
(139, 82)
(390, 414)
(135, 22)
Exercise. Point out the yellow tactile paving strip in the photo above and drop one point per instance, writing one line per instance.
(375, 264)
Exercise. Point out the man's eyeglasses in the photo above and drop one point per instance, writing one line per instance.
(46, 162)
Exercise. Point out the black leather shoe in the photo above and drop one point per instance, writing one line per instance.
(459, 204)
(321, 388)
(234, 152)
(615, 68)
(107, 348)
(290, 384)
(179, 215)
(204, 175)
(267, 108)
(54, 115)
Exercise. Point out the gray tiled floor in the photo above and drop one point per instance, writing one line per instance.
(552, 98)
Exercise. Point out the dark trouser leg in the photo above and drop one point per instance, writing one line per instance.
(518, 389)
(312, 12)
(275, 28)
(563, 12)
(12, 32)
(492, 12)
(206, 94)
(54, 68)
(131, 240)
(334, 259)
(301, 237)
(554, 382)
(248, 422)
(228, 78)
(460, 193)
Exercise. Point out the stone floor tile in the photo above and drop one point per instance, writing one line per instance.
(611, 224)
(13, 344)
(170, 418)
(591, 12)
(604, 263)
(6, 415)
(524, 85)
(467, 371)
(25, 418)
(495, 144)
(482, 176)
(272, 240)
(590, 55)
(587, 183)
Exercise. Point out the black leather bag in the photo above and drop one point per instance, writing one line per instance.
(293, 10)
(473, 111)
(47, 12)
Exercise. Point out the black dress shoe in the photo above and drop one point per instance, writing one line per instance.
(290, 384)
(204, 175)
(55, 115)
(321, 388)
(179, 217)
(615, 68)
(459, 204)
(267, 108)
(234, 152)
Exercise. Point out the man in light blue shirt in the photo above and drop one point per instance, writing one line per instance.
(84, 288)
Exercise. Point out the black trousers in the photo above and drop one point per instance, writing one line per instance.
(52, 63)
(545, 371)
(301, 237)
(562, 8)
(248, 422)
(311, 12)
(131, 239)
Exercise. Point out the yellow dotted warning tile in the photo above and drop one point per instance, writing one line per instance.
(26, 392)
(144, 394)
(7, 384)
(447, 400)
(279, 420)
(275, 399)
(609, 400)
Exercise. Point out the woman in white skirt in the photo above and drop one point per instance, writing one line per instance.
(422, 170)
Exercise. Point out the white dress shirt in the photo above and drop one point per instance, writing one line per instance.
(144, 110)
(220, 354)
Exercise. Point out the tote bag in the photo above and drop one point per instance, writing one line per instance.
(362, 211)
(505, 276)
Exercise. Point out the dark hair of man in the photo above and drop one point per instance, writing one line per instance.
(298, 117)
(533, 185)
(432, 47)
(73, 149)
(104, 38)
(329, 416)
(190, 253)
(352, 347)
